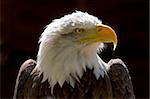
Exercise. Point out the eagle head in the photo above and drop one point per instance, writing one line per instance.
(69, 45)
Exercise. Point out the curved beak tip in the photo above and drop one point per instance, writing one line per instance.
(108, 34)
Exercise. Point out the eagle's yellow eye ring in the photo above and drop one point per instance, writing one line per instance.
(79, 30)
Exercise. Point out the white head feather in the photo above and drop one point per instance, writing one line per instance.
(60, 59)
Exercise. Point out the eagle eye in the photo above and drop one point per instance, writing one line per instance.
(79, 30)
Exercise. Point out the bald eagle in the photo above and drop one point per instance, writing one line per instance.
(68, 65)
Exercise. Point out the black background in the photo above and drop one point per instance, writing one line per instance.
(22, 22)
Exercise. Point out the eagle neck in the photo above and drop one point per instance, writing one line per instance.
(68, 63)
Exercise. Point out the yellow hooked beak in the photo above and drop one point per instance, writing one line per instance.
(103, 34)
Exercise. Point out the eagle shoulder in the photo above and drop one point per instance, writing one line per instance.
(23, 75)
(120, 79)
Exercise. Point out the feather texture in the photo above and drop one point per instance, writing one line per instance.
(61, 59)
(111, 86)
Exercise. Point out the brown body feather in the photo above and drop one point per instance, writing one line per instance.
(117, 84)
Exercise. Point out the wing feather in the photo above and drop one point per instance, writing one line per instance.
(23, 75)
(120, 79)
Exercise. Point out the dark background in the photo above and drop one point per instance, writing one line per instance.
(22, 22)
